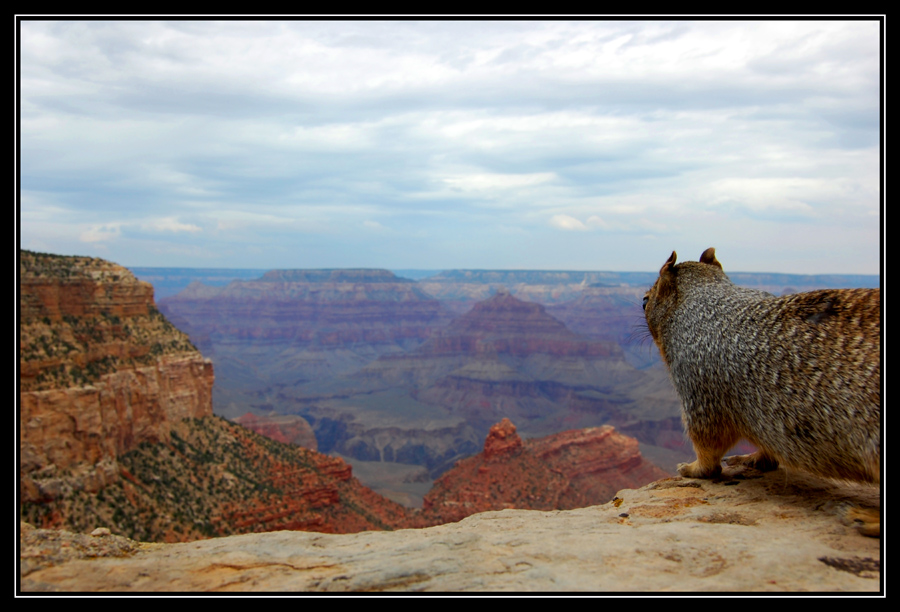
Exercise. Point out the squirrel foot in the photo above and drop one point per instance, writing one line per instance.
(866, 520)
(695, 470)
(758, 460)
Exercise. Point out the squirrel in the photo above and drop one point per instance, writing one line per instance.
(798, 376)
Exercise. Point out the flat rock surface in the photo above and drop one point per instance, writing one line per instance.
(780, 531)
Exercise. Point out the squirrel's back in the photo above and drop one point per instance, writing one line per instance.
(799, 376)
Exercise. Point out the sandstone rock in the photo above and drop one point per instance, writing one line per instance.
(778, 532)
(101, 370)
(597, 461)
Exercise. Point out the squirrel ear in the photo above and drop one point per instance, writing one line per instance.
(709, 257)
(668, 266)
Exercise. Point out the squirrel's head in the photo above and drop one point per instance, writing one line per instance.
(666, 293)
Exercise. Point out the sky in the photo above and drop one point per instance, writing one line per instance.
(533, 144)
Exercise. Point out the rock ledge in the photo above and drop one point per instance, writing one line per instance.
(780, 531)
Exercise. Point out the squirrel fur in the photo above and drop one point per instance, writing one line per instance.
(798, 376)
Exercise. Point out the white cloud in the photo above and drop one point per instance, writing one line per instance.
(497, 182)
(101, 233)
(373, 225)
(791, 195)
(169, 224)
(570, 223)
(565, 222)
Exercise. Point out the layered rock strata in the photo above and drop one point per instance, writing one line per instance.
(504, 358)
(460, 289)
(324, 309)
(510, 358)
(100, 371)
(290, 327)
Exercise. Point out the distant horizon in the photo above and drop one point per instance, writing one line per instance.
(432, 271)
(438, 270)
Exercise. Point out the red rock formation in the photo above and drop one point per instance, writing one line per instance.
(315, 492)
(502, 439)
(571, 469)
(597, 461)
(100, 372)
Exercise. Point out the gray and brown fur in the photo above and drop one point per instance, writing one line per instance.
(798, 376)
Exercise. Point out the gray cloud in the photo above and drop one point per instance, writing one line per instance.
(450, 144)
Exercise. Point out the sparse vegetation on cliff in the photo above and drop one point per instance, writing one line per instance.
(216, 478)
(83, 317)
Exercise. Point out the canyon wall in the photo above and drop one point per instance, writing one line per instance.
(100, 371)
(291, 327)
(510, 358)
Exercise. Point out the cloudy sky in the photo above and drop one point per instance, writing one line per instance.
(582, 145)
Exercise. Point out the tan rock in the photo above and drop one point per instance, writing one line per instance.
(775, 532)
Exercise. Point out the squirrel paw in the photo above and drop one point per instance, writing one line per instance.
(866, 520)
(695, 470)
(758, 460)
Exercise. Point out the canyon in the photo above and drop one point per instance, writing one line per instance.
(385, 373)
(290, 327)
(117, 426)
(400, 372)
(510, 404)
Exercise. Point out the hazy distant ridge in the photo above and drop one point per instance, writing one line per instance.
(169, 281)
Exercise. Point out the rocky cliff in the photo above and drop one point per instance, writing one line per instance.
(100, 371)
(571, 469)
(779, 532)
